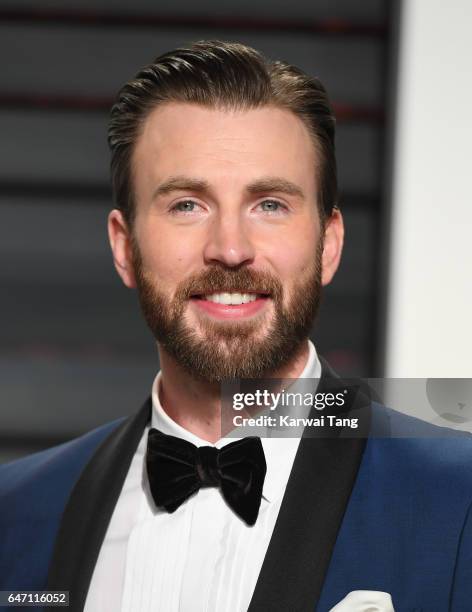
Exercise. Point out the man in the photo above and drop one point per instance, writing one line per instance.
(226, 222)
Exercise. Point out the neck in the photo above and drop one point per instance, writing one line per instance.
(196, 405)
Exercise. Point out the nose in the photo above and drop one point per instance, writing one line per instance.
(228, 242)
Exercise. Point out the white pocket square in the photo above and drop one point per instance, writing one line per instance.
(365, 601)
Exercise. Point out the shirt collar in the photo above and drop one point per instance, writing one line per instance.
(279, 452)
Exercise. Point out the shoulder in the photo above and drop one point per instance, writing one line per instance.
(389, 423)
(419, 452)
(48, 474)
(404, 425)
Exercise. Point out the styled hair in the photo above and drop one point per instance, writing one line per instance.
(220, 75)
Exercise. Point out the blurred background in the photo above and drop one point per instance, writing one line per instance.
(74, 350)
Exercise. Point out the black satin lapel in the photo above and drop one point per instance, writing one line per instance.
(317, 493)
(89, 509)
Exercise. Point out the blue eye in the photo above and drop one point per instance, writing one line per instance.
(274, 206)
(184, 206)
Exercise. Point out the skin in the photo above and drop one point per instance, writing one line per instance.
(226, 225)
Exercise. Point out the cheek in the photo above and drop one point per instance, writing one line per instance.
(167, 257)
(292, 263)
(293, 253)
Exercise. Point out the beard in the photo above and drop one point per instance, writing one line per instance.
(215, 350)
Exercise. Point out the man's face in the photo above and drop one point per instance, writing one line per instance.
(226, 211)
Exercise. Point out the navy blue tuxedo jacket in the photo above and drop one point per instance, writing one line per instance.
(359, 513)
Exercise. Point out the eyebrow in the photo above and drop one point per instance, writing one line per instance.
(275, 183)
(262, 185)
(180, 183)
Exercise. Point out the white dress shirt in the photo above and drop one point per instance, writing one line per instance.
(200, 558)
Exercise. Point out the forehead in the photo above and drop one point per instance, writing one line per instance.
(181, 138)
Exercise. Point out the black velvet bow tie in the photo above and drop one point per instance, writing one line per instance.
(177, 468)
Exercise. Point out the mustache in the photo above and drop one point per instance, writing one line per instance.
(238, 280)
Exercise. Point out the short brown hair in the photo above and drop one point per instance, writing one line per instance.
(222, 75)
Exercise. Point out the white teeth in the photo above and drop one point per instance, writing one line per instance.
(231, 298)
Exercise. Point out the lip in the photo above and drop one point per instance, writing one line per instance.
(230, 311)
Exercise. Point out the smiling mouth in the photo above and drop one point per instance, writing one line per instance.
(231, 299)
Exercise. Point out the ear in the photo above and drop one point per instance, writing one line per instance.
(120, 242)
(333, 246)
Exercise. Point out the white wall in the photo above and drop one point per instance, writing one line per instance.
(430, 295)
